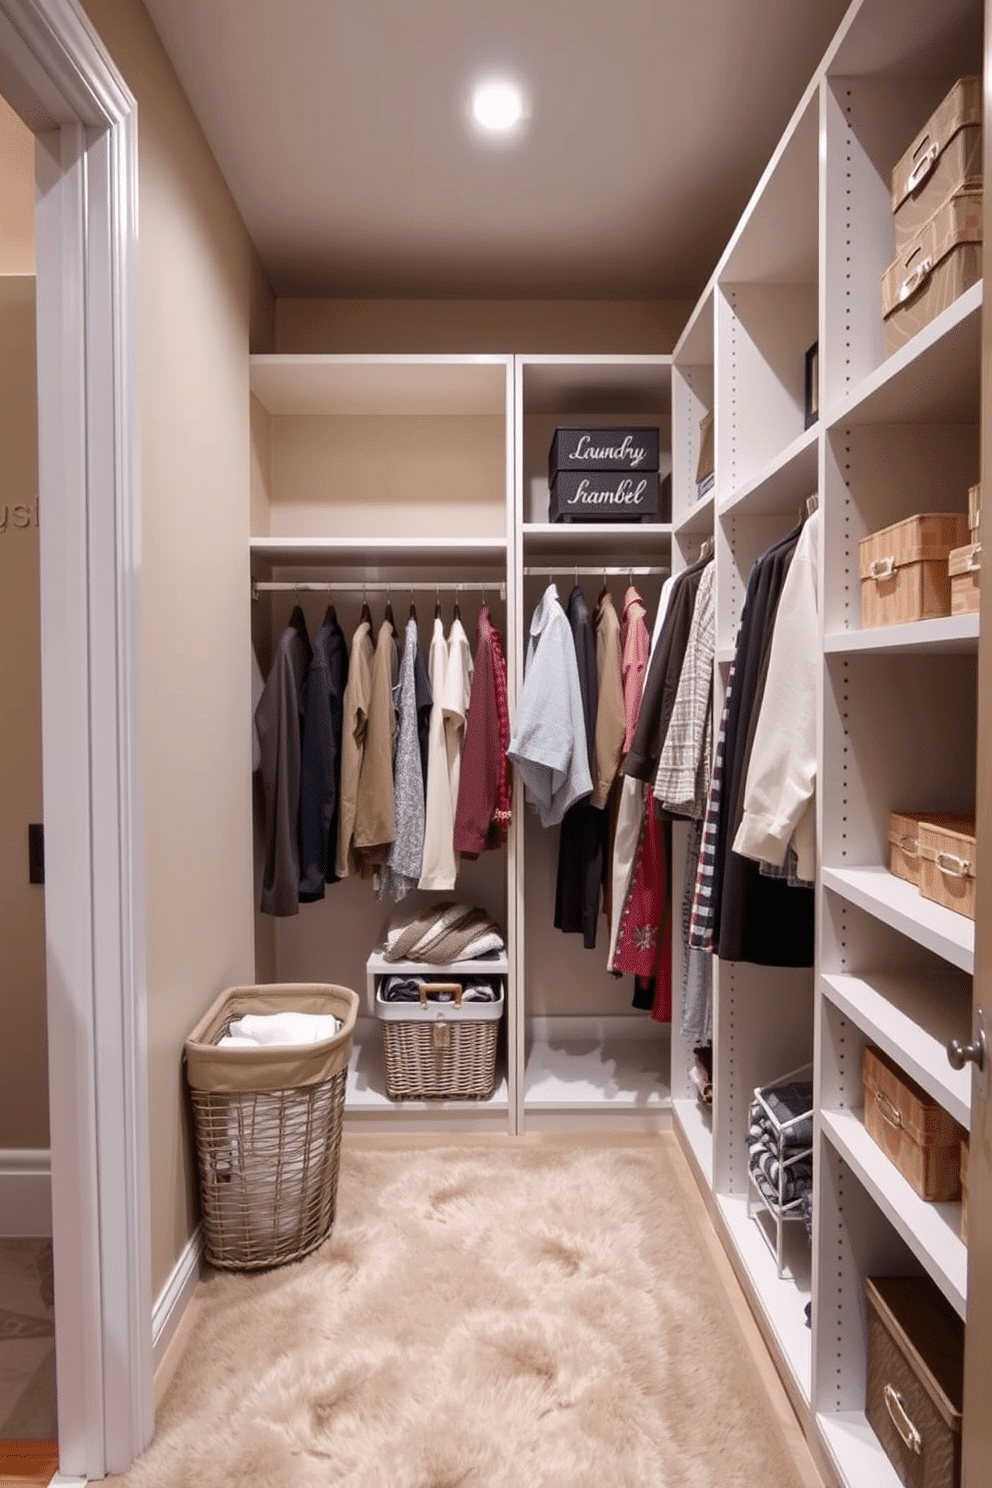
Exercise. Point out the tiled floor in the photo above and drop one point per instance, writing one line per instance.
(27, 1341)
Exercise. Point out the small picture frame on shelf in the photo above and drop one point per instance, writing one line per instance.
(812, 385)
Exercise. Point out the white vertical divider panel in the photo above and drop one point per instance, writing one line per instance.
(515, 1046)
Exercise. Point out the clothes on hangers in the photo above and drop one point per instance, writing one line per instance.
(357, 696)
(482, 812)
(320, 765)
(375, 812)
(582, 834)
(611, 719)
(439, 864)
(548, 742)
(413, 701)
(779, 791)
(631, 805)
(682, 779)
(279, 718)
(636, 647)
(661, 681)
(257, 688)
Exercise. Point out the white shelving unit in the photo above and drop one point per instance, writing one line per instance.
(588, 1060)
(895, 435)
(388, 471)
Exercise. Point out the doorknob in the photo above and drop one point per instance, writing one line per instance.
(976, 1053)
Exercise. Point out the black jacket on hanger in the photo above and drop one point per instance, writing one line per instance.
(761, 920)
(582, 835)
(279, 719)
(326, 679)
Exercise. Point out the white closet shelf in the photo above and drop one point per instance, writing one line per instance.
(901, 905)
(604, 1066)
(365, 1093)
(289, 383)
(419, 552)
(697, 520)
(933, 379)
(932, 1231)
(912, 1019)
(696, 1126)
(783, 484)
(948, 633)
(776, 240)
(578, 385)
(855, 1450)
(781, 1300)
(606, 540)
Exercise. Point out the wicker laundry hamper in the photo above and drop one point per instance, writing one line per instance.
(268, 1126)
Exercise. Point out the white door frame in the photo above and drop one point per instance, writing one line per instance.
(56, 74)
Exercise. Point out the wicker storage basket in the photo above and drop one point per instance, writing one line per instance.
(915, 1133)
(440, 1050)
(268, 1126)
(914, 1382)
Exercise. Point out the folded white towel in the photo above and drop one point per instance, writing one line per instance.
(266, 1030)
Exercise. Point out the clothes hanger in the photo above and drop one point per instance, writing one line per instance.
(366, 614)
(388, 613)
(413, 608)
(457, 612)
(437, 603)
(604, 591)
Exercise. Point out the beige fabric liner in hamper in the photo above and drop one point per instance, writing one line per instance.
(268, 1126)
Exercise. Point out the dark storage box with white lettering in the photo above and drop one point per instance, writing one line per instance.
(623, 448)
(604, 496)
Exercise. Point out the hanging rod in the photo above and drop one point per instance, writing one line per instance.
(542, 570)
(378, 586)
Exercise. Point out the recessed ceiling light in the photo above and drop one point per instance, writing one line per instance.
(498, 105)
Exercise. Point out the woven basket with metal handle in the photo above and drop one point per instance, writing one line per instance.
(440, 1050)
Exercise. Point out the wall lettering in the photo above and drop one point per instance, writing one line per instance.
(18, 516)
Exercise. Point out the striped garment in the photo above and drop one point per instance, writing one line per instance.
(682, 780)
(702, 917)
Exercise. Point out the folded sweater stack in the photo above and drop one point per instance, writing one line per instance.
(779, 1140)
(442, 933)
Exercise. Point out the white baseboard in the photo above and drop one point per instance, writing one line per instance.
(176, 1295)
(25, 1192)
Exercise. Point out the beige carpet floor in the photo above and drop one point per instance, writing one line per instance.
(482, 1317)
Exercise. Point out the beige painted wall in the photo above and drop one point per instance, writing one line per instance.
(24, 1078)
(16, 194)
(649, 327)
(199, 288)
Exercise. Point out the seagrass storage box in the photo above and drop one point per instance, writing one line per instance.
(916, 1134)
(974, 511)
(903, 568)
(440, 1047)
(944, 156)
(268, 1126)
(904, 839)
(964, 565)
(948, 865)
(941, 262)
(915, 1379)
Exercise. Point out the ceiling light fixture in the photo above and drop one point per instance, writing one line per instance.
(498, 105)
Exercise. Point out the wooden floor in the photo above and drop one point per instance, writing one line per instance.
(27, 1462)
(806, 1473)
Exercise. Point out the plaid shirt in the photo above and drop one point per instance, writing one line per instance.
(682, 779)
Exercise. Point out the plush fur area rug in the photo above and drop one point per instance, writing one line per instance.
(507, 1317)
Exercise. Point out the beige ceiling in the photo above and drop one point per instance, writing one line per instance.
(340, 127)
